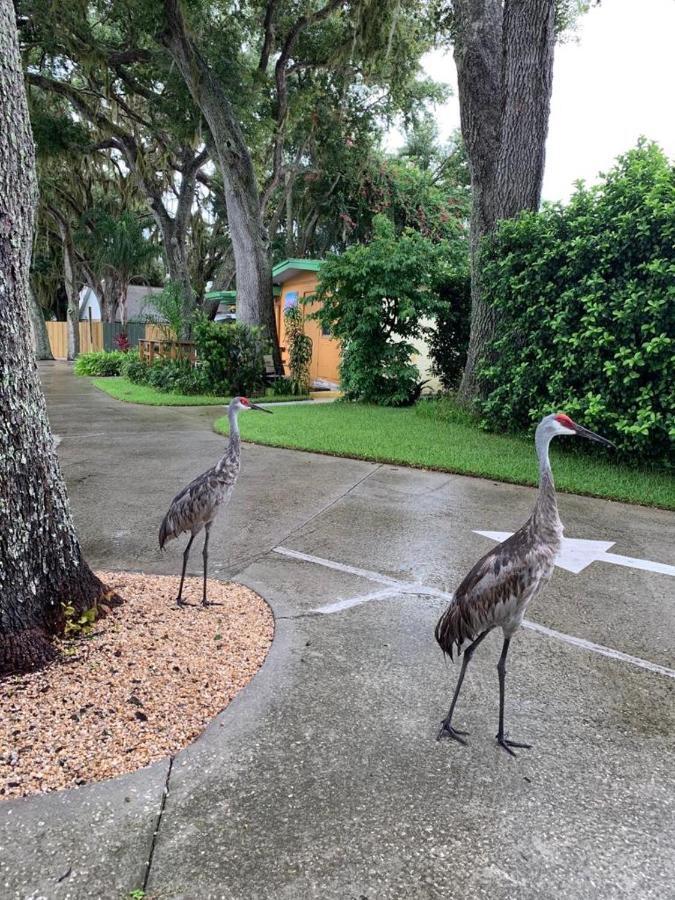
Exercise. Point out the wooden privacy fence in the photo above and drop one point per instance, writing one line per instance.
(99, 335)
(91, 337)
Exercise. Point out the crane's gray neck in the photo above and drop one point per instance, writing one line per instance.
(234, 445)
(233, 416)
(546, 508)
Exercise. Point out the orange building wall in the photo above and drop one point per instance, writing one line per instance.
(325, 363)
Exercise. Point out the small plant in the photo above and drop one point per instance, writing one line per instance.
(101, 363)
(299, 351)
(134, 368)
(169, 312)
(282, 387)
(137, 894)
(122, 342)
(78, 625)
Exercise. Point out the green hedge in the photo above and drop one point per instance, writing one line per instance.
(100, 362)
(231, 356)
(585, 295)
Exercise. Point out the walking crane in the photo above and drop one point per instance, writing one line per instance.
(497, 591)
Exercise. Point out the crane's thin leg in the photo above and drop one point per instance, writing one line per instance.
(501, 671)
(205, 554)
(446, 724)
(186, 553)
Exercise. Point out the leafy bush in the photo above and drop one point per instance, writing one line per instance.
(375, 298)
(449, 339)
(282, 387)
(299, 350)
(105, 363)
(168, 375)
(231, 356)
(134, 368)
(122, 342)
(168, 311)
(585, 297)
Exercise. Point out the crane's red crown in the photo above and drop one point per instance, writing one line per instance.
(564, 420)
(244, 401)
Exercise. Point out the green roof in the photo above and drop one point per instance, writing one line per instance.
(289, 267)
(228, 296)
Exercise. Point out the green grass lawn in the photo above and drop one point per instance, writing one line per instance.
(123, 389)
(430, 437)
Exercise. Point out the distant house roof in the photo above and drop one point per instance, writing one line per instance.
(289, 268)
(137, 302)
(223, 296)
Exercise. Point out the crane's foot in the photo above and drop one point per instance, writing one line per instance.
(506, 744)
(206, 602)
(181, 602)
(448, 731)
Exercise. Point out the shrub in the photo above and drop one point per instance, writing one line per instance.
(105, 363)
(282, 387)
(122, 342)
(299, 351)
(449, 339)
(375, 298)
(585, 298)
(134, 368)
(169, 312)
(231, 356)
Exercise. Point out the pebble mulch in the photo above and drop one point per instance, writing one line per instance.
(145, 683)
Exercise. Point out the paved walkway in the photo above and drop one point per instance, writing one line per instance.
(323, 778)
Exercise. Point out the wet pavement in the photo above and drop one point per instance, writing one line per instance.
(323, 779)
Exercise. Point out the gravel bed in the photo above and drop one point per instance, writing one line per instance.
(144, 684)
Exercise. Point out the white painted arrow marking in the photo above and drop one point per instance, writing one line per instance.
(394, 588)
(577, 554)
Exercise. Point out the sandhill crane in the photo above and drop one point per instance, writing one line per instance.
(197, 505)
(496, 592)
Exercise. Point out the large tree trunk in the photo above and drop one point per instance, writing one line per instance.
(41, 562)
(174, 242)
(504, 56)
(41, 346)
(255, 302)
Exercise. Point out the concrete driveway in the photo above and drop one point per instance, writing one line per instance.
(323, 779)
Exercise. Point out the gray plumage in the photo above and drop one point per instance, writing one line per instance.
(197, 505)
(498, 589)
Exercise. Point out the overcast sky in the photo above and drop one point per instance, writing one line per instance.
(614, 83)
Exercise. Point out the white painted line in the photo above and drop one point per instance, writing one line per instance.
(339, 567)
(340, 605)
(576, 554)
(632, 563)
(402, 588)
(598, 648)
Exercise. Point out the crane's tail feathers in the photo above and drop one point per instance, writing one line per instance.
(453, 629)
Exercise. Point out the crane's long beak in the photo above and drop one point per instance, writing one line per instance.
(592, 436)
(261, 408)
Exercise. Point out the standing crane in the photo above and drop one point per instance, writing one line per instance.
(197, 505)
(496, 592)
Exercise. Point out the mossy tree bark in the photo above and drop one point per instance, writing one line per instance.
(41, 563)
(504, 55)
(41, 346)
